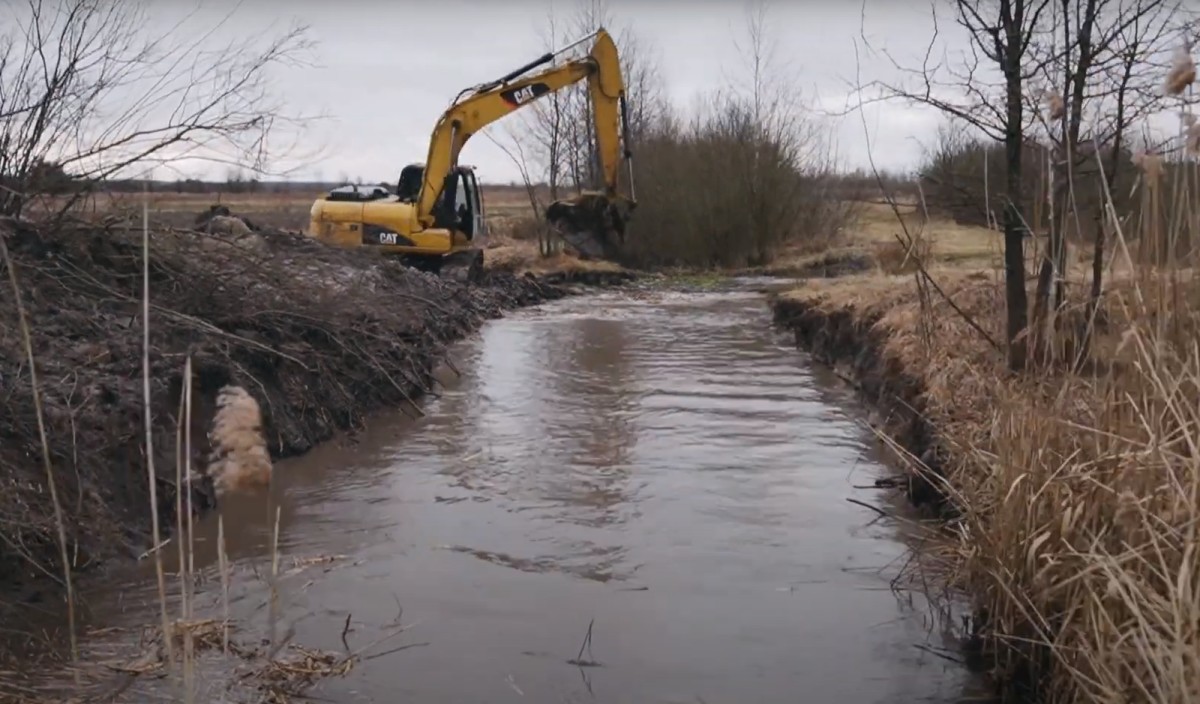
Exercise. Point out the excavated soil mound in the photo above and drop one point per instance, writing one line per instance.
(319, 336)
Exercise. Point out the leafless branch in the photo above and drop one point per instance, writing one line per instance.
(87, 95)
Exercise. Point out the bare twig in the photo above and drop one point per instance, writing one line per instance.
(586, 645)
(864, 504)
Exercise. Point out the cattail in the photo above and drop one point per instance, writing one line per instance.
(239, 458)
(1150, 164)
(1183, 70)
(1191, 133)
(1055, 104)
(1191, 140)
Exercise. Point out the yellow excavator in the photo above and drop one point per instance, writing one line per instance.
(435, 219)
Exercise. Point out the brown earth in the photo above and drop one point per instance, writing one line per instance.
(320, 336)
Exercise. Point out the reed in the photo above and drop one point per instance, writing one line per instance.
(151, 476)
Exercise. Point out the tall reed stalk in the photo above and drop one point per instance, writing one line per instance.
(151, 476)
(187, 551)
(223, 566)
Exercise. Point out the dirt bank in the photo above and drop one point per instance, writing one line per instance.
(867, 328)
(321, 337)
(1068, 497)
(852, 342)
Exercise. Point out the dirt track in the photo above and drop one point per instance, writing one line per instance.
(319, 336)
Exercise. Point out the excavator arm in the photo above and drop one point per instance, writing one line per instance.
(588, 219)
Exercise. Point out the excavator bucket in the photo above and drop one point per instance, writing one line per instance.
(592, 223)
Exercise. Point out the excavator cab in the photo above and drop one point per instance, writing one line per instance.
(469, 216)
(460, 207)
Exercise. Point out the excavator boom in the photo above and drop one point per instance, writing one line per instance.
(588, 220)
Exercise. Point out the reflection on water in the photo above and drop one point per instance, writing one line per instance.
(668, 470)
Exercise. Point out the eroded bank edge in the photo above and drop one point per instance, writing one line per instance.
(851, 343)
(506, 291)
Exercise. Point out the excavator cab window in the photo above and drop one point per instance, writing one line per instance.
(409, 186)
(476, 199)
(463, 206)
(444, 212)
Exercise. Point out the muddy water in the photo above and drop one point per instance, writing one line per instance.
(663, 467)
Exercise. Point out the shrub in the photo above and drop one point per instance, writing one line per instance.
(731, 188)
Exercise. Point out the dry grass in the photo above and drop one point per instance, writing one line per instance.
(945, 241)
(1079, 491)
(287, 210)
(872, 235)
(522, 256)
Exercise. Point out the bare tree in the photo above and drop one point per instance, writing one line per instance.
(1000, 33)
(85, 86)
(642, 84)
(783, 129)
(1106, 66)
(552, 141)
(746, 174)
(1076, 73)
(1132, 77)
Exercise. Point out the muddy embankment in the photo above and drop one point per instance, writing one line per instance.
(851, 343)
(321, 337)
(864, 354)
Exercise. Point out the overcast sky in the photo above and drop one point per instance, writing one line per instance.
(386, 69)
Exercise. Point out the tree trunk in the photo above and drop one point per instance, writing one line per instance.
(1014, 230)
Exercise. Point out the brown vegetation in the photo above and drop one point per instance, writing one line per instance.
(1071, 495)
(240, 458)
(728, 186)
(1067, 489)
(729, 191)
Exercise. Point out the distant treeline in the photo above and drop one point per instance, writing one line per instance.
(855, 184)
(192, 185)
(50, 179)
